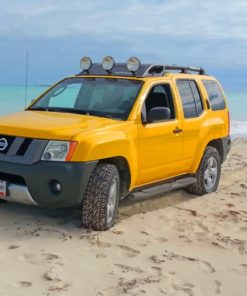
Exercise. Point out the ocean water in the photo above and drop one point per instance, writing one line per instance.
(12, 99)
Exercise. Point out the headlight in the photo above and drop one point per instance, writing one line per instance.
(59, 151)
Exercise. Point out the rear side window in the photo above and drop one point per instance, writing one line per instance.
(197, 97)
(191, 99)
(215, 95)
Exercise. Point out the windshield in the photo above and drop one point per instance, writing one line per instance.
(106, 97)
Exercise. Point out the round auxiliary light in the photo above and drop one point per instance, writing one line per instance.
(133, 64)
(108, 63)
(86, 63)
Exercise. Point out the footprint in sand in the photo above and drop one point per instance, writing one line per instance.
(183, 288)
(217, 287)
(129, 251)
(59, 288)
(206, 266)
(161, 239)
(126, 268)
(32, 258)
(50, 257)
(203, 265)
(13, 247)
(101, 255)
(96, 241)
(50, 276)
(241, 270)
(156, 260)
(25, 284)
(38, 259)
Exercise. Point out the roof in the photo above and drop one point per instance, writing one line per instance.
(145, 70)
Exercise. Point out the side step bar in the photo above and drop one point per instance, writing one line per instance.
(172, 185)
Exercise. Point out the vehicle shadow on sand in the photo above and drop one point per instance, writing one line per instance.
(69, 218)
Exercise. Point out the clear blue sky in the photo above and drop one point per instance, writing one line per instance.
(209, 33)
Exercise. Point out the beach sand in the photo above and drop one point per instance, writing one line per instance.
(177, 244)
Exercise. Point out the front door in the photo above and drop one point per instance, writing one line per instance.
(160, 143)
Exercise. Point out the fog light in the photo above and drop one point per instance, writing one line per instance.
(56, 187)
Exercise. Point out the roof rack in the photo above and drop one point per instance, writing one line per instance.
(145, 70)
(183, 69)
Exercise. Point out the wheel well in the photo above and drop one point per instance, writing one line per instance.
(124, 172)
(217, 143)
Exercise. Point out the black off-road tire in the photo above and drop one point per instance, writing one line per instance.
(199, 187)
(95, 200)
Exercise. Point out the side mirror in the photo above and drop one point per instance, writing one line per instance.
(158, 114)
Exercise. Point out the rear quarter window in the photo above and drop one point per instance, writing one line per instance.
(215, 95)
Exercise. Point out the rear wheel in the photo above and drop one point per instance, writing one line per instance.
(100, 202)
(208, 173)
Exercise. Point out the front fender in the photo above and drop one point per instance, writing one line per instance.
(109, 144)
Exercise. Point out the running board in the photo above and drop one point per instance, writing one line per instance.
(172, 185)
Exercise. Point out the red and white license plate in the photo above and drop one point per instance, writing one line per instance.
(3, 188)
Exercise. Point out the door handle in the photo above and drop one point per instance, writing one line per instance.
(177, 130)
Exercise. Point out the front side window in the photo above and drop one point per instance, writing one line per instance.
(159, 96)
(106, 97)
(191, 99)
(215, 95)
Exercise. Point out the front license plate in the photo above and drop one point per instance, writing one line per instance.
(3, 188)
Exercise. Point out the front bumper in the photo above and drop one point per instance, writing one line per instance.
(31, 183)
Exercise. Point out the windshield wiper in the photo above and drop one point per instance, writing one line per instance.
(58, 109)
(38, 109)
(99, 114)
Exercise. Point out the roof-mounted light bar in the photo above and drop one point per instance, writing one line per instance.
(132, 67)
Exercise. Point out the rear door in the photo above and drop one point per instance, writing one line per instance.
(193, 114)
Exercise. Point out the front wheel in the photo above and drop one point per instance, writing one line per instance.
(100, 202)
(208, 173)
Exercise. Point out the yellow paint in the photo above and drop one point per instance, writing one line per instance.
(152, 151)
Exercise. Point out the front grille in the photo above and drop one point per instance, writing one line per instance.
(11, 145)
(24, 146)
(5, 143)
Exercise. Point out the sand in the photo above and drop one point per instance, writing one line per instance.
(177, 244)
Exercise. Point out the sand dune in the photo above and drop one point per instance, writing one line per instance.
(175, 244)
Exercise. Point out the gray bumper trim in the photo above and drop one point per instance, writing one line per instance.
(20, 194)
(34, 180)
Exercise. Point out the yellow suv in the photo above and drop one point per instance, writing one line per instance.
(115, 128)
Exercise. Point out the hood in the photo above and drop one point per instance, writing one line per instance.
(51, 125)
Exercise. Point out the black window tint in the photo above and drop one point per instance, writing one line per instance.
(197, 97)
(107, 97)
(159, 96)
(215, 95)
(187, 98)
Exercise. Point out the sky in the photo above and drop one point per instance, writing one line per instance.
(57, 33)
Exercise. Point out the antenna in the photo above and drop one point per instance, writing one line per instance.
(27, 57)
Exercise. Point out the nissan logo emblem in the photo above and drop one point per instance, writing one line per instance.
(3, 144)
